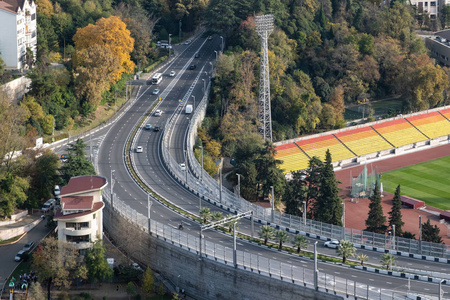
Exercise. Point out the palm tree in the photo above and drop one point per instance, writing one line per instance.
(205, 214)
(266, 233)
(300, 242)
(388, 260)
(345, 250)
(216, 216)
(362, 258)
(281, 236)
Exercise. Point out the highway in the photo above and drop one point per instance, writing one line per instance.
(111, 153)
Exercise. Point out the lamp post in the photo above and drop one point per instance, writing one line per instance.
(193, 97)
(234, 246)
(112, 186)
(201, 174)
(222, 43)
(149, 206)
(215, 53)
(199, 196)
(239, 185)
(393, 237)
(169, 43)
(272, 203)
(343, 215)
(316, 271)
(186, 166)
(204, 85)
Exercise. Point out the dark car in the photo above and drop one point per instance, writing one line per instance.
(28, 246)
(192, 67)
(197, 55)
(157, 128)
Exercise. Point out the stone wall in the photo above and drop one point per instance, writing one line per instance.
(17, 88)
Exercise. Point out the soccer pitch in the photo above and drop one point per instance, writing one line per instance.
(428, 181)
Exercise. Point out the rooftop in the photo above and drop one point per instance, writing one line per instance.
(11, 5)
(96, 207)
(83, 183)
(77, 203)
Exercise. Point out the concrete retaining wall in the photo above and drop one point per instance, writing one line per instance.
(17, 88)
(13, 232)
(201, 279)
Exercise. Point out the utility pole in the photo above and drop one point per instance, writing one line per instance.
(272, 204)
(316, 270)
(264, 26)
(149, 206)
(193, 97)
(304, 213)
(239, 185)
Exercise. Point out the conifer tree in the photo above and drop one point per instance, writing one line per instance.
(430, 233)
(376, 219)
(396, 213)
(328, 205)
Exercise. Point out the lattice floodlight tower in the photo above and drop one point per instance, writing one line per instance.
(264, 26)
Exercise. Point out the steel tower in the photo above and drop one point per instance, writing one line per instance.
(264, 26)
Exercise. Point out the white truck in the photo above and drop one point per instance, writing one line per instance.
(188, 108)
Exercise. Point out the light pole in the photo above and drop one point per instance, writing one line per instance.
(201, 174)
(199, 196)
(186, 166)
(272, 203)
(149, 206)
(169, 43)
(215, 53)
(234, 246)
(112, 186)
(239, 185)
(222, 43)
(204, 85)
(343, 215)
(316, 271)
(304, 213)
(193, 97)
(393, 237)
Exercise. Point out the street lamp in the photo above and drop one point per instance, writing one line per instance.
(199, 196)
(393, 236)
(222, 43)
(204, 85)
(272, 203)
(186, 166)
(149, 206)
(304, 213)
(194, 100)
(239, 185)
(215, 53)
(201, 175)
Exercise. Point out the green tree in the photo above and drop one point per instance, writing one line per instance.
(300, 242)
(328, 205)
(409, 235)
(430, 233)
(266, 233)
(346, 249)
(35, 292)
(77, 163)
(131, 289)
(362, 258)
(97, 266)
(396, 213)
(12, 192)
(148, 283)
(161, 290)
(376, 220)
(281, 236)
(388, 261)
(216, 216)
(205, 214)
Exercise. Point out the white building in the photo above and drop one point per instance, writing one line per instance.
(80, 218)
(17, 31)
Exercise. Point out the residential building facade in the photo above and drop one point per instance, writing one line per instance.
(17, 32)
(80, 217)
(439, 46)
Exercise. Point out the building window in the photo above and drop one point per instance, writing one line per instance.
(426, 3)
(433, 3)
(33, 17)
(77, 239)
(94, 216)
(33, 34)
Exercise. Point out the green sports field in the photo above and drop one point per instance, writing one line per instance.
(428, 181)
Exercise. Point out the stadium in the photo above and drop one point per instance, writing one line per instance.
(364, 152)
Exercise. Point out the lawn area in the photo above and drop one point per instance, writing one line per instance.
(427, 181)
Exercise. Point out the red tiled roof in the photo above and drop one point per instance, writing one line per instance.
(11, 5)
(77, 203)
(59, 216)
(83, 184)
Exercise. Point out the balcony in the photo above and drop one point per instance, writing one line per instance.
(78, 232)
(82, 245)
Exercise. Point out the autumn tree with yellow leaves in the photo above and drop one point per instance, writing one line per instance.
(102, 56)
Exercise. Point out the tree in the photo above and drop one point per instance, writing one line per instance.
(362, 258)
(12, 192)
(77, 163)
(388, 261)
(409, 235)
(35, 291)
(216, 216)
(281, 236)
(131, 289)
(396, 213)
(148, 283)
(430, 233)
(97, 266)
(108, 33)
(328, 205)
(376, 220)
(205, 214)
(346, 249)
(266, 233)
(56, 263)
(300, 242)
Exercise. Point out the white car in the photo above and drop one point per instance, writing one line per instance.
(155, 91)
(332, 244)
(172, 74)
(183, 167)
(158, 113)
(187, 42)
(139, 149)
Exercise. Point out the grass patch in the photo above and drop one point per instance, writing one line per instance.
(11, 240)
(427, 181)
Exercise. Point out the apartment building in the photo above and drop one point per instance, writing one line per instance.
(439, 46)
(17, 32)
(80, 217)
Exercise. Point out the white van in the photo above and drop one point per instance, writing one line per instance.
(57, 190)
(48, 205)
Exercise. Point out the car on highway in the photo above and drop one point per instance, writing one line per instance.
(172, 73)
(197, 55)
(183, 167)
(158, 113)
(192, 67)
(20, 255)
(28, 246)
(148, 126)
(332, 244)
(210, 37)
(156, 129)
(155, 91)
(139, 149)
(187, 42)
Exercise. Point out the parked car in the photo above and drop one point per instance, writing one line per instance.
(57, 190)
(139, 149)
(192, 67)
(155, 91)
(21, 255)
(187, 42)
(332, 244)
(156, 129)
(172, 73)
(28, 246)
(48, 205)
(158, 113)
(148, 126)
(64, 158)
(183, 167)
